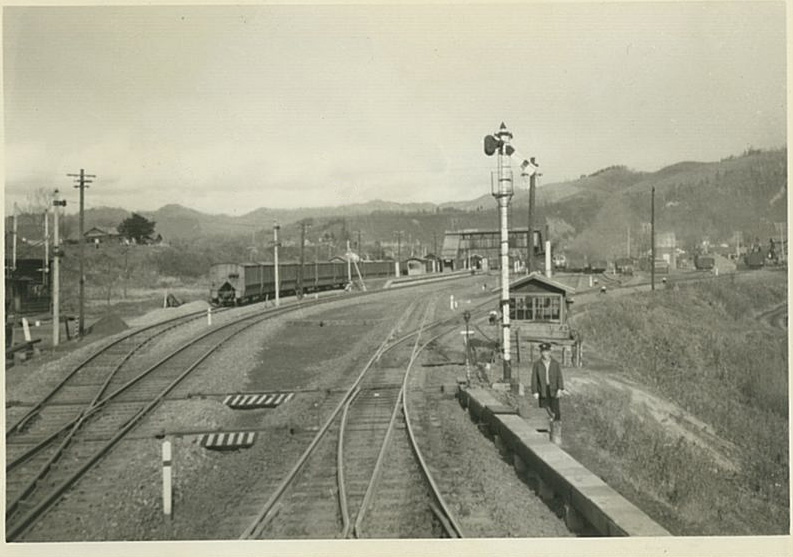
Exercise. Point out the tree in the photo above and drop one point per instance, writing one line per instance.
(136, 228)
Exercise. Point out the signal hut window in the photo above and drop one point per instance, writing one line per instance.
(536, 307)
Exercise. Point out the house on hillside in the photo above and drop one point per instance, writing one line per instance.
(97, 235)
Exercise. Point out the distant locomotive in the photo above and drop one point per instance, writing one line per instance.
(234, 284)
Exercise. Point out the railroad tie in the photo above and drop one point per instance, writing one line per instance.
(226, 441)
(257, 400)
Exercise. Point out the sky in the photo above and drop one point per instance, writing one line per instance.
(226, 109)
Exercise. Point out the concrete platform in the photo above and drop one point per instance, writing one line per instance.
(589, 503)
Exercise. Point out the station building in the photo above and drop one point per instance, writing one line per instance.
(481, 249)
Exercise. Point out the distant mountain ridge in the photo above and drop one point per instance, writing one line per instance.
(593, 213)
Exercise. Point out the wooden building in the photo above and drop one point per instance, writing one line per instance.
(539, 310)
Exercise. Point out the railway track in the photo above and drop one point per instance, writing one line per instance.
(379, 479)
(81, 385)
(46, 461)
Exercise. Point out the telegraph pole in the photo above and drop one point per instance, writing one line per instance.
(399, 245)
(275, 260)
(46, 269)
(303, 226)
(82, 180)
(14, 234)
(652, 239)
(530, 242)
(56, 280)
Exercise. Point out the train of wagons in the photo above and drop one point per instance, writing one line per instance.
(234, 284)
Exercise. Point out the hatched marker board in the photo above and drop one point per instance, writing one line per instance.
(228, 441)
(257, 400)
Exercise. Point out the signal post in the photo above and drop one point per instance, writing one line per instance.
(499, 143)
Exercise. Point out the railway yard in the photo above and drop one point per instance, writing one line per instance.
(332, 418)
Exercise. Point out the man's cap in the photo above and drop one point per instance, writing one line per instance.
(545, 346)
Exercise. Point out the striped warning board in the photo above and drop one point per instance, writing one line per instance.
(257, 400)
(228, 441)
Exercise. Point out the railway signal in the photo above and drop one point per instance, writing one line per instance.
(499, 144)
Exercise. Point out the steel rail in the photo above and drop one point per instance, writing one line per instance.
(264, 516)
(378, 467)
(100, 351)
(27, 520)
(439, 507)
(343, 508)
(270, 508)
(451, 526)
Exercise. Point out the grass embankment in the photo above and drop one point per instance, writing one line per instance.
(701, 348)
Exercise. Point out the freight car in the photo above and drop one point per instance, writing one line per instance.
(234, 284)
(597, 266)
(755, 259)
(704, 262)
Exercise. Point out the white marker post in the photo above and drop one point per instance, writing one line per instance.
(26, 329)
(167, 490)
(209, 317)
(451, 301)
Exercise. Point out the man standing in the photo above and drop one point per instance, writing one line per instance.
(547, 383)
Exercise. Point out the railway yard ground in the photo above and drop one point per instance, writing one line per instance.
(675, 428)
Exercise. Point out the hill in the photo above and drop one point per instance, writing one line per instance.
(592, 214)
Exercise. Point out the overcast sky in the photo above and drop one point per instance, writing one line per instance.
(226, 109)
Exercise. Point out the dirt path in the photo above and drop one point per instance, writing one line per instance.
(598, 380)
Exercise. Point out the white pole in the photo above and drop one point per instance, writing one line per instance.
(14, 241)
(548, 258)
(56, 277)
(502, 198)
(209, 317)
(349, 263)
(26, 329)
(167, 490)
(275, 258)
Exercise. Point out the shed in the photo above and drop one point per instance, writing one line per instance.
(539, 306)
(415, 266)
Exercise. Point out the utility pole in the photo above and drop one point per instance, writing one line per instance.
(358, 246)
(652, 239)
(399, 245)
(275, 260)
(303, 226)
(56, 280)
(503, 193)
(14, 234)
(530, 242)
(349, 263)
(46, 268)
(82, 180)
